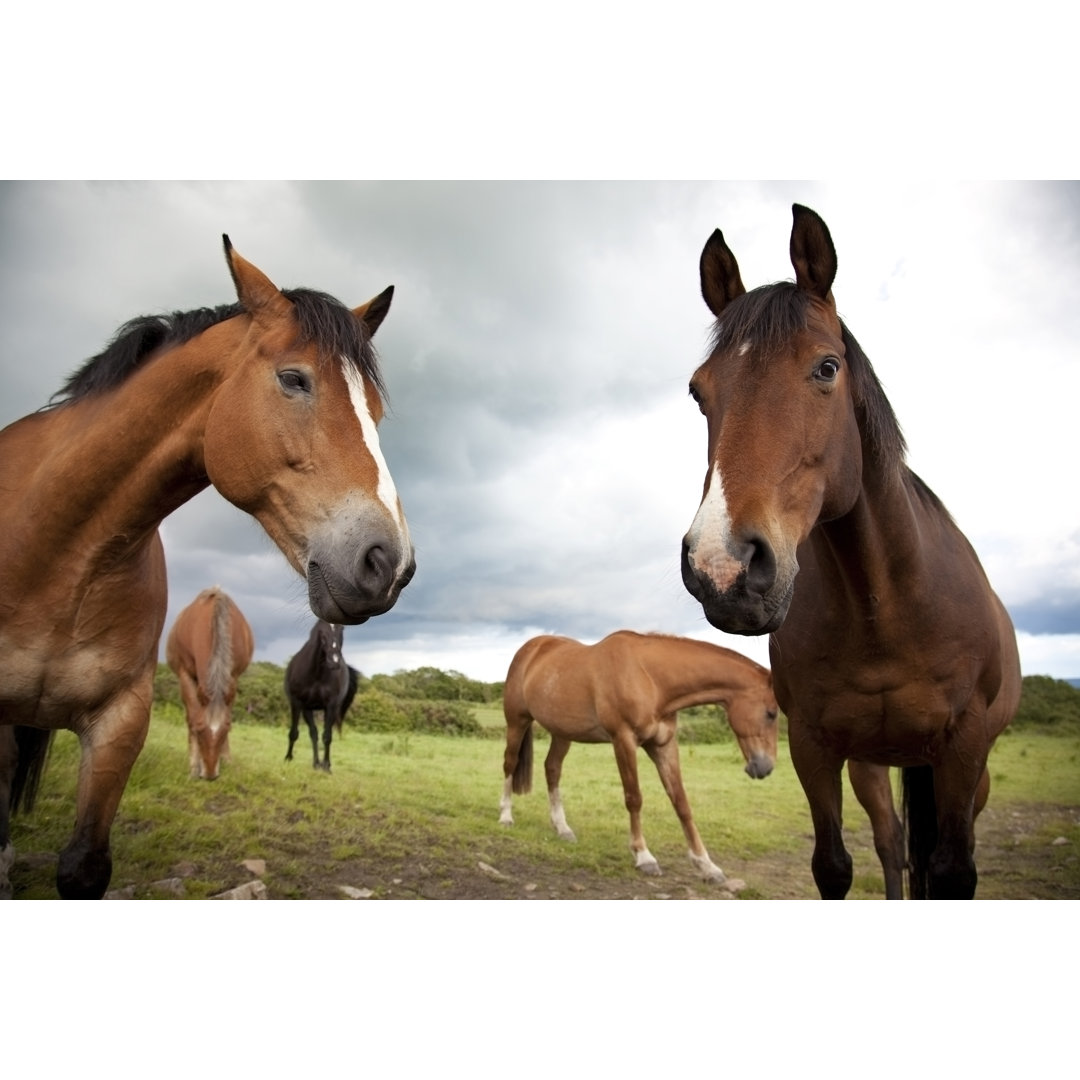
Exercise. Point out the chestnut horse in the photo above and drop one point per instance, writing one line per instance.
(626, 690)
(889, 648)
(274, 401)
(209, 646)
(317, 679)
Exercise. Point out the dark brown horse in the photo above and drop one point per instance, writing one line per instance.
(627, 690)
(889, 648)
(209, 646)
(274, 401)
(317, 679)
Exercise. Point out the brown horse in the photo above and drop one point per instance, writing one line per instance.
(209, 646)
(274, 401)
(889, 648)
(626, 690)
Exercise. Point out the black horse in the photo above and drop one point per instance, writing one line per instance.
(318, 679)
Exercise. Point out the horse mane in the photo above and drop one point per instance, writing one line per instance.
(321, 319)
(768, 316)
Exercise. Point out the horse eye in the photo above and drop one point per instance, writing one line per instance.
(827, 370)
(294, 381)
(697, 397)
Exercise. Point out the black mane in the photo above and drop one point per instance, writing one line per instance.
(768, 316)
(322, 321)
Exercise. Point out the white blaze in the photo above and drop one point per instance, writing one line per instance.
(385, 489)
(709, 536)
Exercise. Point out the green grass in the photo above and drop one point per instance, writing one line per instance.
(395, 800)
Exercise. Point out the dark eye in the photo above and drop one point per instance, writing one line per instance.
(827, 370)
(294, 381)
(696, 396)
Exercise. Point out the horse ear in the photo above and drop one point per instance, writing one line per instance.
(720, 280)
(374, 311)
(256, 292)
(812, 253)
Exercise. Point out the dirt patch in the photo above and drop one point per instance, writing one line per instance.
(1019, 854)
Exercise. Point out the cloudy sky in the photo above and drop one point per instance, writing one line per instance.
(537, 355)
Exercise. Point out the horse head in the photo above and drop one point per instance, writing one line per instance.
(291, 438)
(784, 443)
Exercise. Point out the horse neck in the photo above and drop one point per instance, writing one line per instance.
(885, 538)
(126, 458)
(700, 674)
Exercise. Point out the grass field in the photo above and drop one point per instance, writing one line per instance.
(407, 815)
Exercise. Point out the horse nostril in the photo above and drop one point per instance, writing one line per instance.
(377, 569)
(757, 556)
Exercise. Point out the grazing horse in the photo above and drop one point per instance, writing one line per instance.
(317, 679)
(626, 690)
(209, 647)
(889, 648)
(274, 401)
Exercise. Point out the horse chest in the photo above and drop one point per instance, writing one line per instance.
(51, 687)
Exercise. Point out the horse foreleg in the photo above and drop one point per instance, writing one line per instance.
(553, 774)
(111, 742)
(665, 756)
(313, 731)
(820, 775)
(873, 789)
(329, 719)
(294, 731)
(961, 786)
(626, 758)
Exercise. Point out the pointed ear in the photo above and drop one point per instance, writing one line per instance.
(812, 253)
(256, 292)
(374, 311)
(720, 280)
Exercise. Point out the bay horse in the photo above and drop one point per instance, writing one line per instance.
(317, 679)
(626, 690)
(274, 400)
(209, 646)
(889, 647)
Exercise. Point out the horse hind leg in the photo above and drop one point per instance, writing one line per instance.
(873, 789)
(294, 731)
(313, 731)
(553, 774)
(517, 766)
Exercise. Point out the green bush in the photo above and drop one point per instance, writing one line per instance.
(1048, 702)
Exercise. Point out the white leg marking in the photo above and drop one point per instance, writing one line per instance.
(558, 816)
(645, 862)
(506, 817)
(707, 868)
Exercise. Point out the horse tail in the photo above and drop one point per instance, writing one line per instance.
(350, 693)
(920, 824)
(521, 783)
(219, 665)
(32, 754)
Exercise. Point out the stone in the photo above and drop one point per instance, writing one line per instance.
(173, 886)
(354, 893)
(255, 866)
(252, 890)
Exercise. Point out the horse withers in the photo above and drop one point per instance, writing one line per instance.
(317, 679)
(888, 646)
(274, 400)
(626, 690)
(209, 647)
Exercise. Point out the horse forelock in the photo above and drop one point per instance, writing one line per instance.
(760, 322)
(322, 321)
